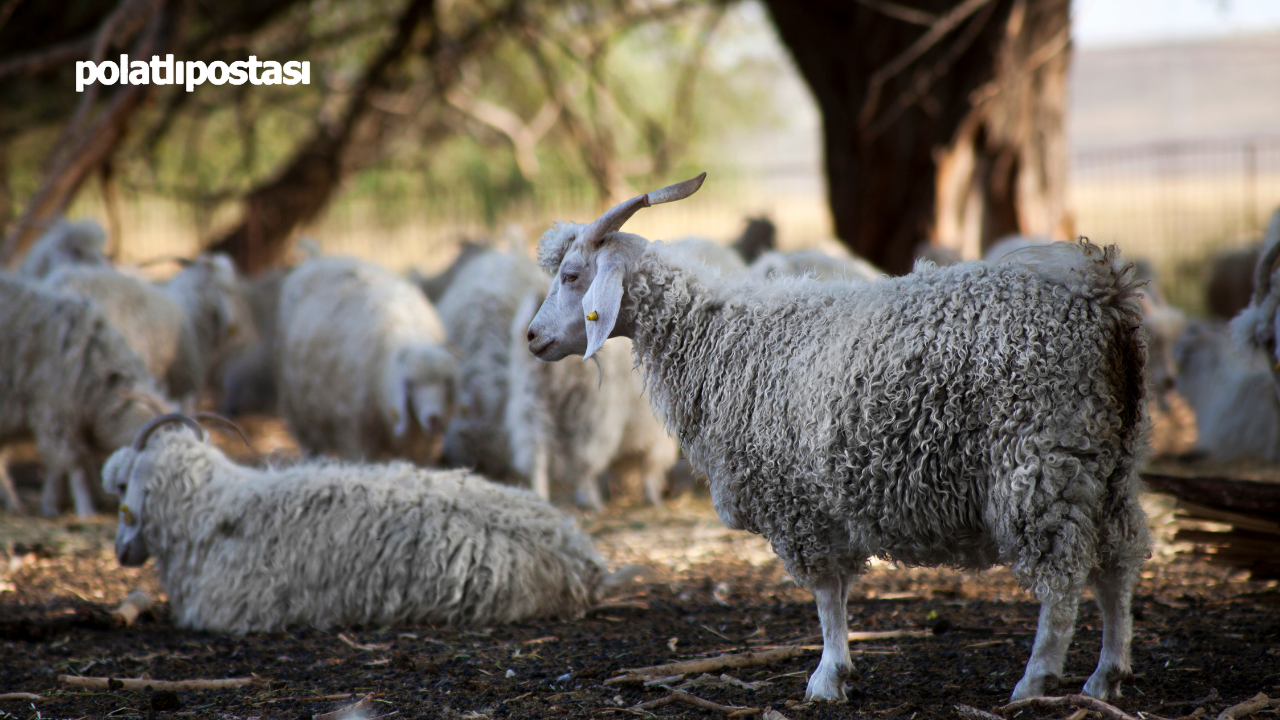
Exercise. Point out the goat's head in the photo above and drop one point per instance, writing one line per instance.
(125, 475)
(419, 384)
(590, 265)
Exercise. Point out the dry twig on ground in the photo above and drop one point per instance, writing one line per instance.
(720, 662)
(101, 683)
(29, 697)
(137, 603)
(888, 634)
(677, 696)
(1252, 705)
(1075, 701)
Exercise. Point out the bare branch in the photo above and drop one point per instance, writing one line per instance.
(900, 12)
(128, 14)
(6, 10)
(42, 60)
(924, 80)
(523, 136)
(937, 31)
(83, 153)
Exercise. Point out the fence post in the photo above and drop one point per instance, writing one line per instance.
(1251, 185)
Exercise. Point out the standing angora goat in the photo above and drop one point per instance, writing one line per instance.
(323, 543)
(569, 422)
(961, 416)
(69, 380)
(477, 311)
(364, 370)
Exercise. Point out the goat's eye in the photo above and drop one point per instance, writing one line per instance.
(569, 277)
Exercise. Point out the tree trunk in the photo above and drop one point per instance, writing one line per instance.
(942, 122)
(305, 185)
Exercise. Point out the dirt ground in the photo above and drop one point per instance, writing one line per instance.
(1204, 637)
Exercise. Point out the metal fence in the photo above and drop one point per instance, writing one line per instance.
(1177, 203)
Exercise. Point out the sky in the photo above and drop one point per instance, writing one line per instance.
(1106, 23)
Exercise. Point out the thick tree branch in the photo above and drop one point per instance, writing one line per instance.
(116, 30)
(924, 80)
(937, 31)
(900, 12)
(84, 152)
(304, 186)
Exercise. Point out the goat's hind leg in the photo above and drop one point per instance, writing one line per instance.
(1113, 587)
(827, 682)
(1126, 542)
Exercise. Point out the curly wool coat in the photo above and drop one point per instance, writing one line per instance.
(345, 325)
(154, 324)
(324, 543)
(956, 416)
(68, 379)
(477, 311)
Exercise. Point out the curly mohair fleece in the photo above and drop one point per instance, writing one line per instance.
(357, 341)
(328, 544)
(477, 311)
(68, 379)
(154, 324)
(956, 416)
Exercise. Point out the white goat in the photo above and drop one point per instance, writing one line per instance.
(365, 372)
(948, 417)
(322, 543)
(69, 380)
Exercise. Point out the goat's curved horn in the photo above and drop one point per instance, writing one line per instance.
(151, 401)
(613, 218)
(227, 423)
(154, 424)
(1267, 260)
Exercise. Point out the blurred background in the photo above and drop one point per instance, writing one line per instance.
(1148, 123)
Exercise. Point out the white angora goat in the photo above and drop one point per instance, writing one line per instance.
(961, 416)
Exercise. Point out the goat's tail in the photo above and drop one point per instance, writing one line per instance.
(1087, 270)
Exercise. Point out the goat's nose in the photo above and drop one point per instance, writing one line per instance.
(531, 335)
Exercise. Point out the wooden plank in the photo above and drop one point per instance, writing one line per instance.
(1243, 496)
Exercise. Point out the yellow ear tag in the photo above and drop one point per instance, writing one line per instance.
(593, 316)
(126, 514)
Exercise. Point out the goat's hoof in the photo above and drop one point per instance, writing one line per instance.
(1106, 685)
(826, 684)
(1030, 687)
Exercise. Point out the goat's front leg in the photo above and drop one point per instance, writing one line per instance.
(11, 500)
(1053, 637)
(827, 682)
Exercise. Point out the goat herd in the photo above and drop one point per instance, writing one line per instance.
(964, 415)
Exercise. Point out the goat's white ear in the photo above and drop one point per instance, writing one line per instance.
(602, 300)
